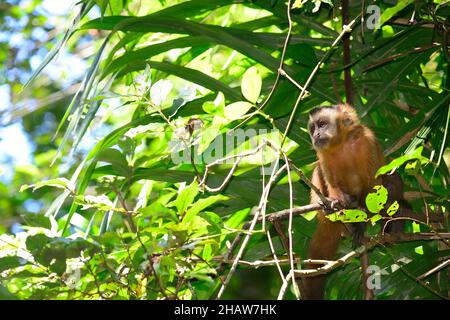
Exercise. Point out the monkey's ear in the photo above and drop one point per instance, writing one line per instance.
(347, 120)
(349, 114)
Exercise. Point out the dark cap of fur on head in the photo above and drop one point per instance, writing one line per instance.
(318, 109)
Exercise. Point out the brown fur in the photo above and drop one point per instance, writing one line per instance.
(345, 170)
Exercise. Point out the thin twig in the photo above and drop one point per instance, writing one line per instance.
(275, 257)
(290, 231)
(238, 158)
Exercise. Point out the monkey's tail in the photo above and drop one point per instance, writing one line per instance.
(323, 246)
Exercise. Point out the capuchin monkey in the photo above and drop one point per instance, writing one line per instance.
(348, 155)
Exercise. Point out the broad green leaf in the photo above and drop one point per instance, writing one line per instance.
(37, 220)
(201, 205)
(207, 252)
(186, 197)
(237, 218)
(236, 110)
(36, 242)
(209, 107)
(251, 84)
(10, 262)
(375, 201)
(58, 265)
(213, 219)
(117, 160)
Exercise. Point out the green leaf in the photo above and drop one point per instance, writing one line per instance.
(201, 205)
(58, 266)
(36, 242)
(10, 262)
(375, 201)
(215, 107)
(61, 183)
(376, 218)
(236, 110)
(237, 218)
(156, 210)
(348, 216)
(251, 84)
(393, 208)
(75, 247)
(186, 197)
(37, 220)
(27, 274)
(86, 172)
(117, 160)
(390, 12)
(159, 174)
(213, 219)
(207, 252)
(398, 162)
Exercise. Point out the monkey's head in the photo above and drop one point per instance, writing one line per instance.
(328, 126)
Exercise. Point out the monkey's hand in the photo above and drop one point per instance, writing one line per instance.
(345, 202)
(332, 206)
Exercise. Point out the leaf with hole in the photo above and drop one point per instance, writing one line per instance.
(375, 201)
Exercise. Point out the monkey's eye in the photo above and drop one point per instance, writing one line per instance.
(322, 124)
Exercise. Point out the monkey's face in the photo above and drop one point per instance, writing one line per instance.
(323, 128)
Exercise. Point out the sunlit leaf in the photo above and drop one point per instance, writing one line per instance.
(393, 208)
(201, 205)
(186, 197)
(251, 84)
(61, 183)
(348, 216)
(237, 110)
(375, 201)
